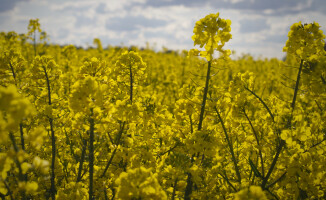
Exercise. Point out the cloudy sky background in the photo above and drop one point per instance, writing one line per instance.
(259, 27)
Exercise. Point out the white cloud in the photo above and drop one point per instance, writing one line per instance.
(256, 28)
(234, 1)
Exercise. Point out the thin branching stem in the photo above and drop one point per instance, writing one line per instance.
(282, 142)
(21, 123)
(91, 156)
(117, 143)
(20, 171)
(257, 140)
(113, 193)
(230, 145)
(174, 188)
(261, 100)
(131, 82)
(277, 180)
(13, 72)
(278, 151)
(318, 106)
(53, 188)
(228, 182)
(81, 161)
(202, 111)
(314, 145)
(297, 86)
(188, 190)
(22, 135)
(9, 191)
(118, 138)
(271, 193)
(191, 123)
(105, 194)
(34, 42)
(109, 162)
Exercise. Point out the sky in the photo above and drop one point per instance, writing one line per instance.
(259, 27)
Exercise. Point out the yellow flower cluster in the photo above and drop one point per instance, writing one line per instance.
(98, 43)
(139, 183)
(14, 108)
(33, 26)
(73, 190)
(251, 193)
(129, 64)
(85, 95)
(42, 64)
(306, 41)
(211, 32)
(93, 67)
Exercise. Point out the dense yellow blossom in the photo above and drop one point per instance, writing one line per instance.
(251, 193)
(306, 41)
(34, 25)
(139, 183)
(13, 109)
(211, 32)
(119, 123)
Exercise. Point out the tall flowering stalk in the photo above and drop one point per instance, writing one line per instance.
(34, 26)
(44, 71)
(87, 99)
(84, 98)
(306, 43)
(210, 32)
(130, 68)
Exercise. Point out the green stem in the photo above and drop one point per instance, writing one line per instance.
(278, 151)
(9, 191)
(20, 171)
(105, 195)
(91, 156)
(174, 188)
(131, 82)
(13, 141)
(109, 162)
(297, 86)
(277, 180)
(113, 193)
(282, 142)
(34, 42)
(118, 138)
(188, 187)
(201, 116)
(22, 135)
(257, 140)
(20, 124)
(53, 188)
(200, 124)
(230, 146)
(13, 72)
(261, 100)
(81, 162)
(228, 182)
(191, 128)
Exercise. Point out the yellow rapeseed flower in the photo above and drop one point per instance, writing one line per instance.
(139, 183)
(211, 32)
(306, 41)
